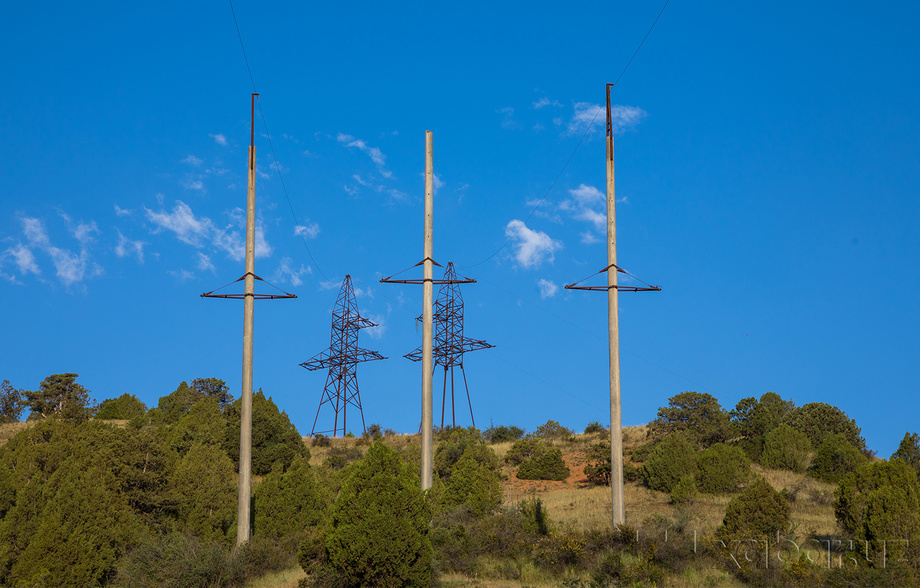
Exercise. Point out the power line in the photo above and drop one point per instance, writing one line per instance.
(277, 165)
(580, 141)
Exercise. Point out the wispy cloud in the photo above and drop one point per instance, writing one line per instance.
(126, 247)
(547, 288)
(220, 139)
(204, 263)
(588, 204)
(287, 272)
(24, 260)
(122, 211)
(381, 322)
(192, 160)
(309, 231)
(182, 276)
(586, 113)
(508, 121)
(202, 231)
(531, 248)
(374, 153)
(544, 102)
(70, 267)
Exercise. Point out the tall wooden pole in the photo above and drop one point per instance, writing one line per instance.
(242, 522)
(427, 296)
(613, 324)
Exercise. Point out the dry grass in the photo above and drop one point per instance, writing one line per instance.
(284, 579)
(812, 509)
(7, 430)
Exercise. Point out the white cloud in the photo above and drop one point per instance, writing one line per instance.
(192, 160)
(193, 184)
(544, 102)
(531, 248)
(547, 288)
(381, 328)
(70, 267)
(204, 263)
(589, 238)
(508, 121)
(233, 242)
(220, 139)
(374, 153)
(438, 184)
(23, 258)
(84, 232)
(286, 272)
(330, 285)
(310, 230)
(588, 204)
(182, 276)
(182, 222)
(122, 212)
(622, 117)
(126, 247)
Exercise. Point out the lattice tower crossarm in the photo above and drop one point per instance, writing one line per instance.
(341, 359)
(450, 342)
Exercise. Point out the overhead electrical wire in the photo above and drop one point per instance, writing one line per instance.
(575, 150)
(268, 135)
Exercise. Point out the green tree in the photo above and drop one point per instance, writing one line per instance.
(203, 423)
(818, 420)
(11, 406)
(753, 419)
(274, 438)
(722, 468)
(759, 511)
(685, 491)
(835, 458)
(286, 503)
(379, 533)
(598, 467)
(547, 464)
(503, 433)
(552, 430)
(671, 459)
(908, 451)
(61, 396)
(881, 502)
(126, 406)
(697, 415)
(215, 389)
(469, 471)
(204, 483)
(786, 449)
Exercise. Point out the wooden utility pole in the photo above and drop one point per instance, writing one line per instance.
(243, 529)
(242, 522)
(613, 326)
(427, 329)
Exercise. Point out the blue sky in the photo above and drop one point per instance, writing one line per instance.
(766, 169)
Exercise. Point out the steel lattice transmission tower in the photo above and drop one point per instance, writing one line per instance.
(342, 358)
(450, 344)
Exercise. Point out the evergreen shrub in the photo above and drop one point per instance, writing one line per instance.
(722, 468)
(786, 449)
(671, 459)
(835, 459)
(759, 511)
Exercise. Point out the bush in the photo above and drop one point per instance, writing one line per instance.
(126, 406)
(598, 467)
(753, 419)
(908, 451)
(523, 450)
(379, 530)
(722, 468)
(286, 503)
(204, 484)
(818, 420)
(552, 430)
(881, 501)
(759, 511)
(697, 415)
(685, 491)
(502, 434)
(545, 465)
(594, 427)
(320, 440)
(177, 560)
(786, 449)
(642, 452)
(474, 481)
(274, 438)
(835, 458)
(672, 459)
